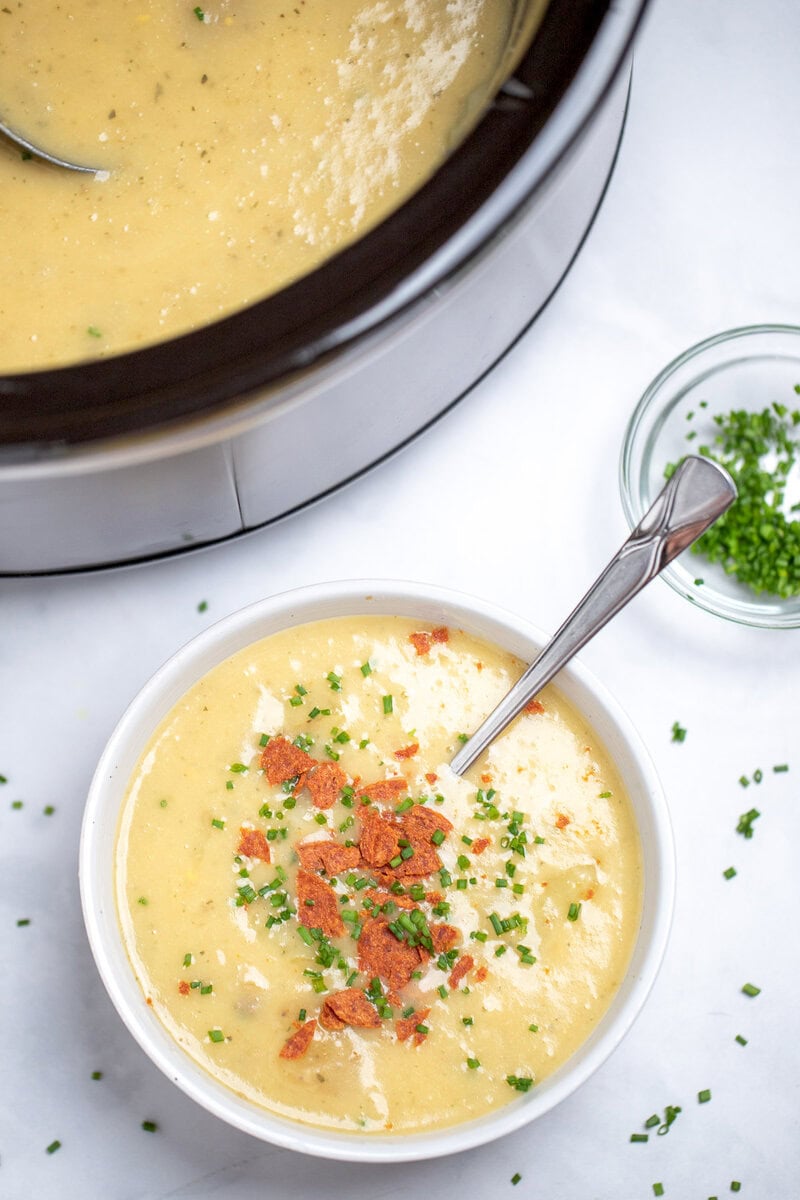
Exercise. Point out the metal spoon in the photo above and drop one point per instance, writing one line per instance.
(36, 152)
(697, 494)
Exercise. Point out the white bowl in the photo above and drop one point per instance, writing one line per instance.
(438, 607)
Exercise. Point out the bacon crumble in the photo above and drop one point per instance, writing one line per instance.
(297, 1044)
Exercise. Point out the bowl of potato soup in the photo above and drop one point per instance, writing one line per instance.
(325, 936)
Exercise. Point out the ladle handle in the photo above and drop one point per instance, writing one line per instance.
(697, 493)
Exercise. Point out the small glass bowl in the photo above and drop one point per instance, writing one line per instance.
(749, 368)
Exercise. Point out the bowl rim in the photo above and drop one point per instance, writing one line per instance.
(426, 603)
(742, 612)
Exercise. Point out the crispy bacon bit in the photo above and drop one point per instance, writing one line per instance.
(562, 820)
(464, 964)
(378, 841)
(479, 845)
(481, 974)
(328, 856)
(381, 953)
(352, 1007)
(444, 937)
(419, 823)
(296, 1045)
(534, 706)
(421, 642)
(323, 913)
(431, 777)
(486, 777)
(254, 844)
(379, 897)
(441, 634)
(183, 988)
(329, 1020)
(282, 760)
(424, 861)
(407, 751)
(384, 791)
(405, 1026)
(588, 894)
(325, 783)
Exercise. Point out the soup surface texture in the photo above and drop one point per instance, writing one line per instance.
(240, 145)
(339, 928)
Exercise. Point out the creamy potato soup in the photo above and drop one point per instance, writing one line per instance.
(335, 925)
(239, 145)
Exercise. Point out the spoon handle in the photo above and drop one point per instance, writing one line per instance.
(696, 494)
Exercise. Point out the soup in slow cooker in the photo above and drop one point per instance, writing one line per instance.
(238, 144)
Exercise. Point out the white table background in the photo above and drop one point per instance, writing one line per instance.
(512, 496)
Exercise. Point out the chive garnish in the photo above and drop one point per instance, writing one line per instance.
(729, 872)
(216, 1035)
(217, 823)
(515, 1178)
(335, 681)
(741, 1040)
(97, 1074)
(574, 911)
(473, 1063)
(678, 732)
(56, 1145)
(640, 1137)
(149, 1126)
(658, 1189)
(704, 1096)
(781, 768)
(746, 820)
(520, 1083)
(750, 989)
(366, 669)
(24, 921)
(388, 705)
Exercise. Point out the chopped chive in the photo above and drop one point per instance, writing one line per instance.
(229, 785)
(423, 1029)
(515, 1178)
(56, 1145)
(149, 1126)
(24, 921)
(704, 1096)
(651, 1121)
(640, 1137)
(263, 740)
(473, 1063)
(188, 959)
(216, 1035)
(750, 989)
(741, 1040)
(388, 705)
(746, 820)
(217, 823)
(366, 669)
(780, 769)
(658, 1189)
(238, 768)
(574, 912)
(729, 872)
(520, 1083)
(678, 732)
(735, 1185)
(604, 796)
(335, 681)
(437, 837)
(16, 804)
(533, 1028)
(48, 809)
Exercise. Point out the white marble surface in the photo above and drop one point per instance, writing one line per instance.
(512, 496)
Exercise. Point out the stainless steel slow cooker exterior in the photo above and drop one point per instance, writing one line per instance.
(203, 442)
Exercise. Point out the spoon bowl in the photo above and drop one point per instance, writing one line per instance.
(30, 150)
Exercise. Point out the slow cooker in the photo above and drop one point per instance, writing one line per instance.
(228, 428)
